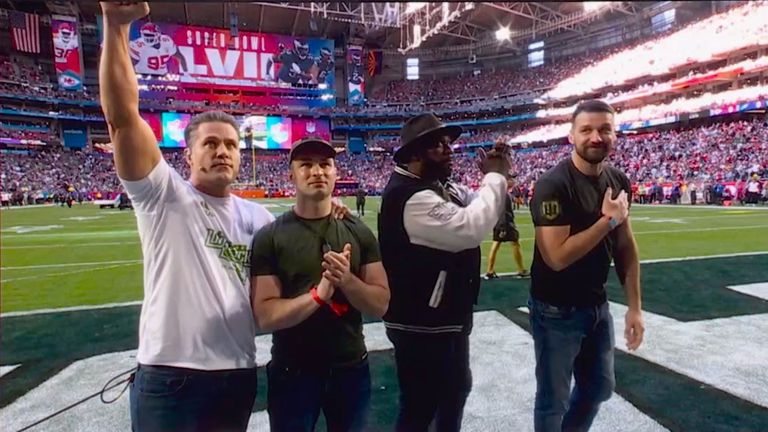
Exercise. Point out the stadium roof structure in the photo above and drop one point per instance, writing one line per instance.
(442, 26)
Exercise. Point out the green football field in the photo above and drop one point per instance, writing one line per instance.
(702, 366)
(55, 257)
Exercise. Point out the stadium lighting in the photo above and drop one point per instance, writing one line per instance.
(591, 6)
(503, 34)
(414, 6)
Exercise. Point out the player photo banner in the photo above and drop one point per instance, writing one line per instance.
(355, 77)
(209, 56)
(66, 52)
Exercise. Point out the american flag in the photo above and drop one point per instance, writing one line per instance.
(25, 31)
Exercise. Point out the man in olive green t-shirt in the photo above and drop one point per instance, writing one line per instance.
(311, 277)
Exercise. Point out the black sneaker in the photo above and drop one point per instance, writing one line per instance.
(489, 276)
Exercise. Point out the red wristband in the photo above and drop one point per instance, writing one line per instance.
(339, 308)
(316, 297)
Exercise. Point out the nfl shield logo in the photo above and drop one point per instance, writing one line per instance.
(311, 127)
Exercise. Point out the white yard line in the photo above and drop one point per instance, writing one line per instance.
(47, 275)
(70, 264)
(96, 263)
(741, 227)
(121, 233)
(677, 259)
(68, 245)
(134, 303)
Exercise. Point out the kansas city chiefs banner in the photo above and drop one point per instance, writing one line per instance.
(355, 76)
(66, 52)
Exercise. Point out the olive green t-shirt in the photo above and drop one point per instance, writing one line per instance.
(292, 249)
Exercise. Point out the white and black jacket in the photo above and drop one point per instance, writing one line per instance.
(430, 237)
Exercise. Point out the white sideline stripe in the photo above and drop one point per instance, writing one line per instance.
(69, 309)
(133, 303)
(70, 264)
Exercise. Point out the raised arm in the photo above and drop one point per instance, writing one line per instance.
(434, 222)
(135, 148)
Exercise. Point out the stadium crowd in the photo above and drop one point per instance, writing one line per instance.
(704, 156)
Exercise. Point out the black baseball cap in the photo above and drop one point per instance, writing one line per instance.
(318, 145)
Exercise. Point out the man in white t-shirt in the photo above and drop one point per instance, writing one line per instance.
(197, 366)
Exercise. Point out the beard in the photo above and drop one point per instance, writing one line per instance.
(433, 170)
(593, 155)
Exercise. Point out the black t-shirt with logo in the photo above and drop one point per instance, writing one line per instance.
(566, 196)
(292, 249)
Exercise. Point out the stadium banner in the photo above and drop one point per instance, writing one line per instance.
(66, 52)
(355, 77)
(74, 134)
(211, 56)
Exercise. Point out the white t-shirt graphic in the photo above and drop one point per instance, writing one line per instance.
(196, 311)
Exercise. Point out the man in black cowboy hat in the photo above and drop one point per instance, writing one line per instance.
(430, 231)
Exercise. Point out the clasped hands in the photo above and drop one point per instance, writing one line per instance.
(336, 272)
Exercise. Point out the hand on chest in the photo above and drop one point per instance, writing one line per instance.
(588, 197)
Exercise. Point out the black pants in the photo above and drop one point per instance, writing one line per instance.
(174, 399)
(295, 398)
(435, 379)
(361, 208)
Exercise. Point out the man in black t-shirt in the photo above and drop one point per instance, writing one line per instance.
(580, 209)
(311, 277)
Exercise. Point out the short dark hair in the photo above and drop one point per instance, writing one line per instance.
(208, 117)
(592, 106)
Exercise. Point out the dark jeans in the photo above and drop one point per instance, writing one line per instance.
(167, 398)
(435, 379)
(296, 396)
(569, 342)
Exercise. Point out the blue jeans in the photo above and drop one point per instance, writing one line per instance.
(167, 398)
(295, 397)
(569, 342)
(435, 379)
